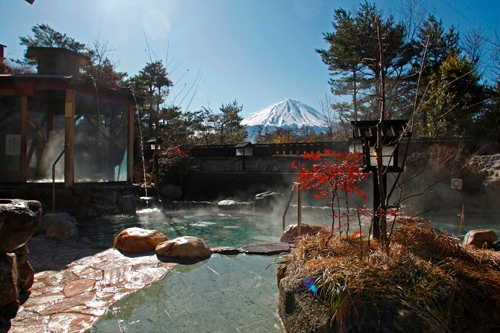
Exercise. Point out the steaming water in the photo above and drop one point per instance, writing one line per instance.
(450, 223)
(99, 122)
(226, 293)
(242, 229)
(216, 229)
(142, 147)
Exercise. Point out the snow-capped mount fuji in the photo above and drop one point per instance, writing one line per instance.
(287, 114)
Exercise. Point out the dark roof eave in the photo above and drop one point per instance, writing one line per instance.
(72, 82)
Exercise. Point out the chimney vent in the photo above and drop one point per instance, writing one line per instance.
(1, 52)
(57, 61)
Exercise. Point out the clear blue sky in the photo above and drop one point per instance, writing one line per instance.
(258, 52)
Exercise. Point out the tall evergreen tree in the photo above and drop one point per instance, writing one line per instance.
(342, 58)
(153, 82)
(228, 124)
(456, 98)
(45, 36)
(487, 121)
(354, 57)
(432, 45)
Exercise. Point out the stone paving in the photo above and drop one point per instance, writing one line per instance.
(75, 284)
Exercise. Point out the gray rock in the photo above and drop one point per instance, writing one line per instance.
(62, 230)
(271, 248)
(26, 274)
(290, 233)
(232, 205)
(18, 221)
(480, 238)
(51, 218)
(226, 250)
(9, 291)
(127, 204)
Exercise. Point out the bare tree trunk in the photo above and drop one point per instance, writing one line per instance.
(381, 171)
(354, 95)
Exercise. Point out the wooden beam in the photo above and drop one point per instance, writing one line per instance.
(130, 150)
(24, 117)
(69, 117)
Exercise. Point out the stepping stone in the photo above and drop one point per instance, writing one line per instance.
(272, 248)
(226, 250)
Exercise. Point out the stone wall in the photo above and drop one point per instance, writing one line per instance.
(18, 221)
(82, 201)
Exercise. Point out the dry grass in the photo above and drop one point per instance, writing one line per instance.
(458, 286)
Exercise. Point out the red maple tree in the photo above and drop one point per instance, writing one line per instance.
(333, 173)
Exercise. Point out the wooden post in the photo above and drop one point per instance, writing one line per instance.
(376, 203)
(24, 117)
(299, 211)
(130, 144)
(69, 137)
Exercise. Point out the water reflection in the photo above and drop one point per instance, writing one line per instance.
(233, 230)
(221, 294)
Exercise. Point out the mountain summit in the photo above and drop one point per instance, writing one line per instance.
(288, 114)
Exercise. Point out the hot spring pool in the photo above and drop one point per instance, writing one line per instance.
(225, 293)
(237, 229)
(216, 229)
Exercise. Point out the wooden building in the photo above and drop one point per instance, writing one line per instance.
(55, 115)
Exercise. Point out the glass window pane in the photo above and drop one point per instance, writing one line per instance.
(10, 134)
(101, 134)
(45, 135)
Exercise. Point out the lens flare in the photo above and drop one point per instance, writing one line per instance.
(310, 284)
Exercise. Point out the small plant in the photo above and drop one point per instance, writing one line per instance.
(173, 163)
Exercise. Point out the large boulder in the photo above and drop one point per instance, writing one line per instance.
(26, 274)
(480, 238)
(62, 230)
(291, 232)
(18, 221)
(133, 240)
(53, 218)
(49, 218)
(127, 204)
(9, 291)
(186, 247)
(232, 205)
(227, 205)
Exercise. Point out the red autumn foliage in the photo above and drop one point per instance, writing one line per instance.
(332, 172)
(174, 152)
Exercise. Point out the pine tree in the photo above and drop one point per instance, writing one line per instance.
(153, 82)
(353, 58)
(457, 98)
